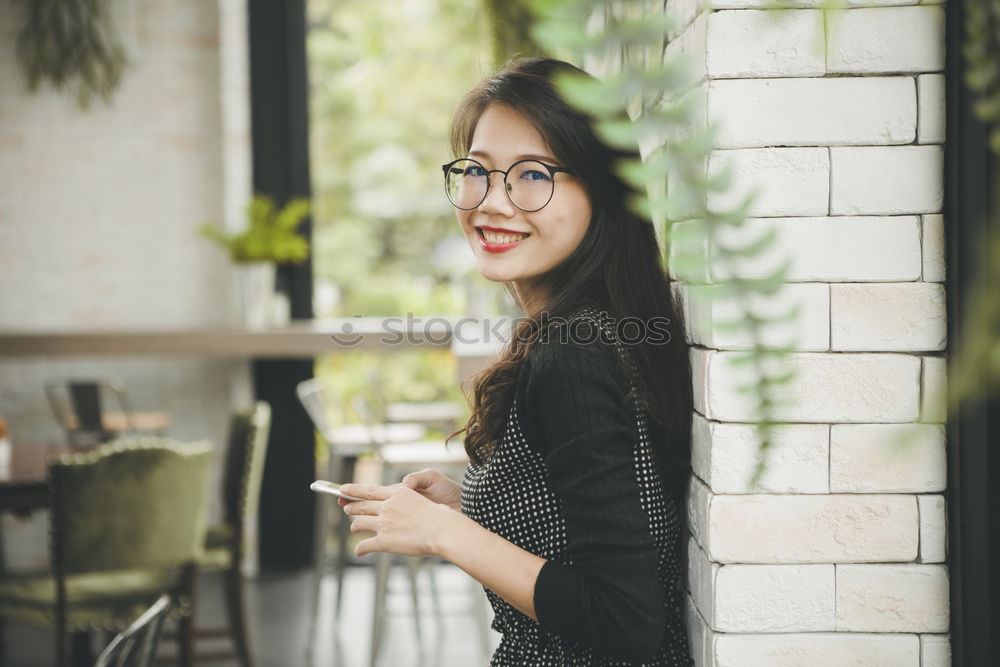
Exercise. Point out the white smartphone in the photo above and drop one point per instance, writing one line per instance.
(322, 486)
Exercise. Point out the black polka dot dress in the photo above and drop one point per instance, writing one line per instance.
(574, 481)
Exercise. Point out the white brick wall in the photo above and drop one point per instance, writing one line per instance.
(838, 556)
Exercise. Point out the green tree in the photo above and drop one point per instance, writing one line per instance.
(384, 81)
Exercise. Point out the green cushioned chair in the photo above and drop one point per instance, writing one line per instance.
(127, 524)
(225, 543)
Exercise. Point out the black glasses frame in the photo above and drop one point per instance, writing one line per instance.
(507, 187)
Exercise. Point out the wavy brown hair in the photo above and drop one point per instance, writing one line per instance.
(617, 266)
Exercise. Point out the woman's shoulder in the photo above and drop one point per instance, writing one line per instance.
(583, 343)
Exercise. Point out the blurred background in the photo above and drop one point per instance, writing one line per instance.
(145, 296)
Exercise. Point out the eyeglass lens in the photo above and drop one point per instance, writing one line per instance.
(528, 183)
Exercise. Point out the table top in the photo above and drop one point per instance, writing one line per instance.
(303, 338)
(24, 484)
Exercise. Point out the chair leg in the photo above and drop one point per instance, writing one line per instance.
(413, 568)
(236, 611)
(382, 562)
(185, 627)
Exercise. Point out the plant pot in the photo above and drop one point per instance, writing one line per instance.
(255, 294)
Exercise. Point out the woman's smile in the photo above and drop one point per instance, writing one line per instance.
(495, 239)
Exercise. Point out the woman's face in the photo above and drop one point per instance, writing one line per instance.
(495, 228)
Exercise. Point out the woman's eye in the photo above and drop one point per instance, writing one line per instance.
(475, 171)
(534, 175)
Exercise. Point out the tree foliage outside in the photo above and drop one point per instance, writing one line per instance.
(385, 78)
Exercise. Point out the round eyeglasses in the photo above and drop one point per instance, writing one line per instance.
(529, 183)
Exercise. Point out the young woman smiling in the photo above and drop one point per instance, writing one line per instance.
(571, 508)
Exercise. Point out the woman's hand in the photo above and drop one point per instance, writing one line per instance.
(436, 487)
(403, 520)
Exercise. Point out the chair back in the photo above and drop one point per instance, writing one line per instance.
(244, 466)
(133, 503)
(136, 645)
(314, 396)
(78, 406)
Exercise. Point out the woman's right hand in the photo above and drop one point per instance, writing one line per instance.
(436, 487)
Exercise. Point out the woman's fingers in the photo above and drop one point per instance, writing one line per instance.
(367, 491)
(359, 507)
(420, 479)
(364, 524)
(365, 547)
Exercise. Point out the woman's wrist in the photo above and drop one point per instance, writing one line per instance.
(455, 526)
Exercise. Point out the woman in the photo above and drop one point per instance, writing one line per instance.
(571, 507)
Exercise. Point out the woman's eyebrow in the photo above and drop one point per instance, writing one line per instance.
(526, 156)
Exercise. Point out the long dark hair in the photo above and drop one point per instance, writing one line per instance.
(617, 266)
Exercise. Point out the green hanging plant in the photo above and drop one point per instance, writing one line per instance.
(71, 42)
(663, 106)
(271, 235)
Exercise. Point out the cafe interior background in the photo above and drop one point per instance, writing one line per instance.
(209, 114)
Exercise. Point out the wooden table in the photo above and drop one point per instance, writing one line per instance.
(24, 486)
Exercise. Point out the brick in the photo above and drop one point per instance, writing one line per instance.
(725, 456)
(759, 43)
(701, 580)
(754, 4)
(935, 651)
(685, 12)
(864, 388)
(699, 506)
(775, 598)
(932, 248)
(892, 317)
(892, 598)
(879, 39)
(700, 635)
(818, 650)
(791, 181)
(709, 312)
(692, 44)
(890, 458)
(934, 388)
(933, 528)
(812, 529)
(838, 249)
(837, 111)
(931, 109)
(886, 180)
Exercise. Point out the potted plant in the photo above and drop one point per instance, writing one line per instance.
(271, 237)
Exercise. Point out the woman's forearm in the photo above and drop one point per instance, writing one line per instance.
(500, 565)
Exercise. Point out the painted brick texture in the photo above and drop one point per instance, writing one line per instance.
(837, 556)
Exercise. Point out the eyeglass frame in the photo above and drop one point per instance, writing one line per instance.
(553, 170)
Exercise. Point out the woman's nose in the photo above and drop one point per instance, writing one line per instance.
(496, 200)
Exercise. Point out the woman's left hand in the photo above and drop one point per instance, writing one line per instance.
(404, 522)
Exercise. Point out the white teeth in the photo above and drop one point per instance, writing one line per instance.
(501, 237)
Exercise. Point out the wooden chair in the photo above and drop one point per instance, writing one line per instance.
(127, 523)
(136, 645)
(226, 543)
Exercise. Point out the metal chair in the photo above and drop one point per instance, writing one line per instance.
(345, 444)
(127, 522)
(79, 408)
(136, 645)
(398, 460)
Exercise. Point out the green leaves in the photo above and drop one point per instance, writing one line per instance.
(67, 42)
(711, 247)
(271, 235)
